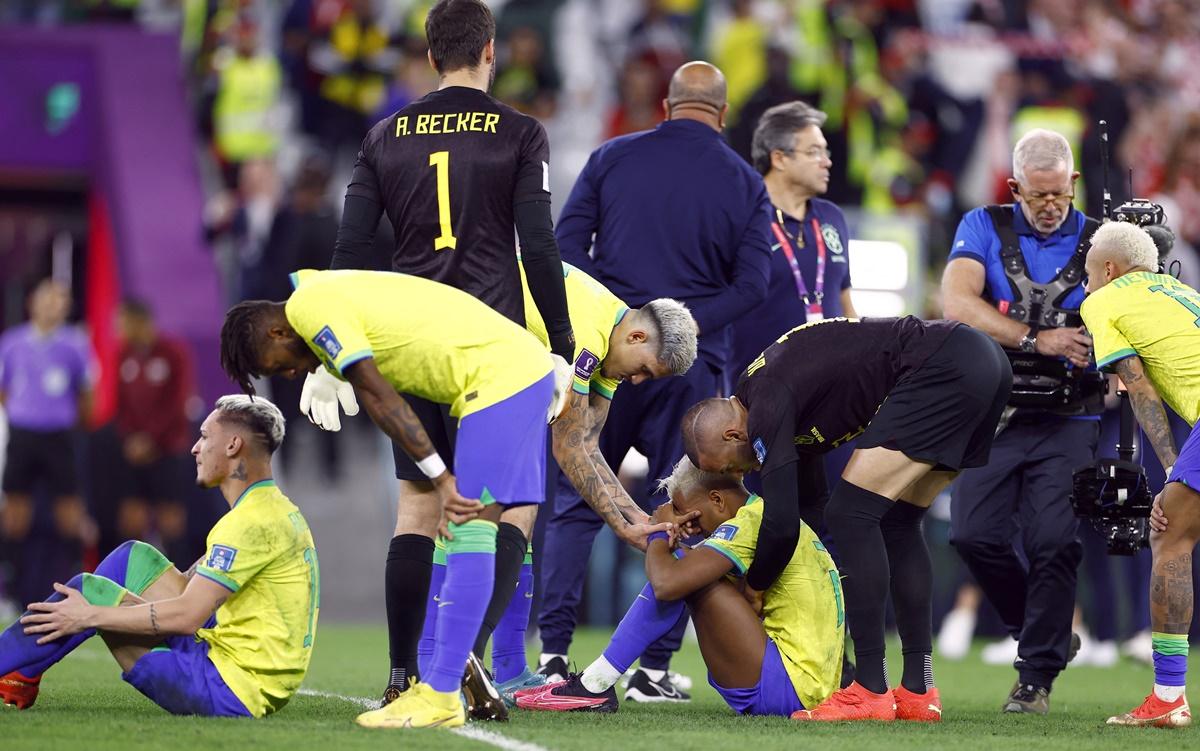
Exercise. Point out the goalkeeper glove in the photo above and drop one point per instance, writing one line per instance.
(320, 397)
(562, 388)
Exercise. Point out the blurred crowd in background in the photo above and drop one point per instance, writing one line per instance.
(924, 101)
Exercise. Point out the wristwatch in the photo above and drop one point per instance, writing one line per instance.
(1029, 343)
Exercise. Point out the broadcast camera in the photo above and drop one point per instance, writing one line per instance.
(1114, 493)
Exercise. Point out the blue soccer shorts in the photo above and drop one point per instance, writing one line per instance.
(500, 454)
(1187, 465)
(772, 695)
(180, 678)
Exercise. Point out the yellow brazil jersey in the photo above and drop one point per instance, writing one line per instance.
(594, 312)
(803, 611)
(263, 552)
(1157, 318)
(427, 338)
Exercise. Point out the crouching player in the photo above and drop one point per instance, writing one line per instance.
(233, 636)
(1145, 328)
(788, 660)
(614, 344)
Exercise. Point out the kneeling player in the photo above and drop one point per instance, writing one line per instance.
(789, 659)
(233, 636)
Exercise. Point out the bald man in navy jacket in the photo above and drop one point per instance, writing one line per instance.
(670, 212)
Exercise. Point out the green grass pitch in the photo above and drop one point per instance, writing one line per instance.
(85, 705)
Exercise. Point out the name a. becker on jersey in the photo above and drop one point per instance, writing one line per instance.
(450, 122)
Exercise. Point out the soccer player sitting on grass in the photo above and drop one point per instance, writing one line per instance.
(388, 334)
(233, 636)
(789, 659)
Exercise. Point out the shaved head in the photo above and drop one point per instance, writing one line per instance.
(697, 83)
(704, 426)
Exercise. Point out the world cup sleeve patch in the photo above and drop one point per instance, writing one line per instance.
(328, 342)
(585, 365)
(760, 450)
(724, 532)
(221, 558)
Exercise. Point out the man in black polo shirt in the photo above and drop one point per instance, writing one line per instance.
(923, 400)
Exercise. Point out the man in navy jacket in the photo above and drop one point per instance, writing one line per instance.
(670, 212)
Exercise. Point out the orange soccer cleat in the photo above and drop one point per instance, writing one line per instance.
(851, 703)
(926, 707)
(1156, 713)
(18, 691)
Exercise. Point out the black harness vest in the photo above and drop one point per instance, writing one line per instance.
(1036, 304)
(1041, 382)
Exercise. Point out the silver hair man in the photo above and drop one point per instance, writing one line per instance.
(675, 330)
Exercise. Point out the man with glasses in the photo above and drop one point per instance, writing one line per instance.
(1016, 273)
(810, 260)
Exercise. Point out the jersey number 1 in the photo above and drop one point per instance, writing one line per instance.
(441, 161)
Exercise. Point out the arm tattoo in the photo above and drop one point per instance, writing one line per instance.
(154, 621)
(389, 410)
(240, 472)
(578, 453)
(1148, 408)
(402, 426)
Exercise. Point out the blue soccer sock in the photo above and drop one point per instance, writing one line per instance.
(131, 567)
(1170, 665)
(470, 576)
(429, 630)
(646, 621)
(508, 640)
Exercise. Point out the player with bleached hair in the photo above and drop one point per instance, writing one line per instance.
(786, 660)
(1146, 329)
(230, 638)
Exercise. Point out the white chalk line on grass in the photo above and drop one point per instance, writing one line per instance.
(471, 732)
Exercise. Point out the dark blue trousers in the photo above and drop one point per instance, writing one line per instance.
(645, 417)
(1022, 496)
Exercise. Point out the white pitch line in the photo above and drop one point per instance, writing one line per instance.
(471, 732)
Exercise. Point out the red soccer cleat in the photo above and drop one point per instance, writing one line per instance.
(18, 691)
(537, 690)
(926, 707)
(850, 704)
(1156, 713)
(568, 696)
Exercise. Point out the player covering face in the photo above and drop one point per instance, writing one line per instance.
(778, 664)
(230, 638)
(921, 399)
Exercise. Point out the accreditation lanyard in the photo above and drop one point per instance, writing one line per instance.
(812, 305)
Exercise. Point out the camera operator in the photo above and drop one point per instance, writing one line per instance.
(1146, 331)
(1016, 272)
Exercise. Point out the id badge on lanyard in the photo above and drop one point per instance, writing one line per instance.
(813, 310)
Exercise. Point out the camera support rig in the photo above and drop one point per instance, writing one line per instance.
(1115, 494)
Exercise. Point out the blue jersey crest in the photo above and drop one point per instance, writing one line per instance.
(221, 558)
(328, 342)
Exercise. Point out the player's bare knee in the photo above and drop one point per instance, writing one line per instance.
(522, 517)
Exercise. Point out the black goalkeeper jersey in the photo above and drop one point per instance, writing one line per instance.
(448, 171)
(819, 385)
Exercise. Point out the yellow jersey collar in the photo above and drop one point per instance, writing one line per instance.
(259, 484)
